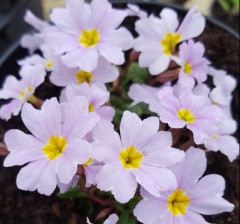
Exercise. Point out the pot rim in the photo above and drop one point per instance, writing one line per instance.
(178, 8)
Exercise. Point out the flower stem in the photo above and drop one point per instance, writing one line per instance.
(187, 144)
(90, 195)
(97, 199)
(118, 83)
(35, 101)
(3, 150)
(164, 77)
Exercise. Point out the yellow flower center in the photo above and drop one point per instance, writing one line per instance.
(91, 108)
(89, 162)
(55, 147)
(170, 42)
(214, 137)
(131, 158)
(82, 77)
(214, 103)
(187, 68)
(89, 38)
(23, 93)
(177, 203)
(49, 64)
(186, 116)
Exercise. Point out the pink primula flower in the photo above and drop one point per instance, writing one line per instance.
(142, 156)
(158, 38)
(193, 64)
(89, 31)
(20, 91)
(104, 73)
(189, 199)
(97, 96)
(56, 145)
(195, 112)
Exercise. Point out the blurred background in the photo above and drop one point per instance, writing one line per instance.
(12, 25)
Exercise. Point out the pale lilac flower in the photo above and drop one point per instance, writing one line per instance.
(83, 37)
(91, 170)
(193, 63)
(56, 145)
(48, 61)
(226, 144)
(97, 96)
(195, 112)
(222, 140)
(65, 187)
(158, 38)
(201, 89)
(64, 76)
(112, 219)
(191, 198)
(33, 41)
(146, 94)
(142, 156)
(20, 91)
(226, 124)
(134, 10)
(225, 85)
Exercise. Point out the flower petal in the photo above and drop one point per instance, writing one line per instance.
(150, 211)
(151, 179)
(160, 65)
(23, 148)
(192, 25)
(43, 123)
(189, 171)
(111, 53)
(206, 196)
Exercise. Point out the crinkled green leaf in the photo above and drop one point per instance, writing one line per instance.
(136, 75)
(118, 103)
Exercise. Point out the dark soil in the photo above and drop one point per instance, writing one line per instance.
(18, 207)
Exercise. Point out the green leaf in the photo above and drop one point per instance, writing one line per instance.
(72, 193)
(118, 103)
(118, 117)
(136, 75)
(136, 109)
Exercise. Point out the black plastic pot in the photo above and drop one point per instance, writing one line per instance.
(12, 25)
